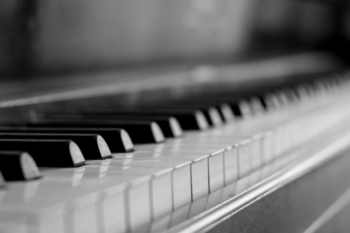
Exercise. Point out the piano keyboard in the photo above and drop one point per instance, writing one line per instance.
(109, 168)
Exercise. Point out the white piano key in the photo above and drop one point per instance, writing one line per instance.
(267, 144)
(288, 134)
(182, 186)
(13, 221)
(161, 183)
(231, 164)
(211, 140)
(256, 155)
(227, 112)
(216, 171)
(76, 184)
(181, 178)
(215, 142)
(39, 209)
(139, 209)
(283, 140)
(245, 158)
(162, 196)
(188, 148)
(200, 174)
(181, 174)
(276, 142)
(56, 226)
(24, 220)
(207, 145)
(184, 150)
(199, 167)
(23, 227)
(114, 218)
(13, 228)
(216, 165)
(105, 188)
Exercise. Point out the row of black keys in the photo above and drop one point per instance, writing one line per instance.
(68, 138)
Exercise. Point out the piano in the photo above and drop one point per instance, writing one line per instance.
(174, 116)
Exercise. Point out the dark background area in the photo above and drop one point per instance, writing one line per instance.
(39, 37)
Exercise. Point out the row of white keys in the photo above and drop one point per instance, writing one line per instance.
(246, 150)
(143, 206)
(180, 183)
(157, 201)
(80, 194)
(220, 168)
(208, 159)
(199, 168)
(92, 190)
(46, 202)
(134, 215)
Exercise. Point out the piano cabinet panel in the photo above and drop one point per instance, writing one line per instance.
(296, 206)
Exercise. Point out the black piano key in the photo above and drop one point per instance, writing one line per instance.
(233, 99)
(256, 105)
(139, 131)
(169, 125)
(211, 114)
(92, 146)
(118, 140)
(235, 109)
(188, 119)
(47, 153)
(222, 108)
(233, 103)
(226, 112)
(270, 101)
(261, 101)
(2, 181)
(18, 165)
(290, 94)
(240, 108)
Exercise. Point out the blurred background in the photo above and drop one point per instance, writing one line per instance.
(41, 37)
